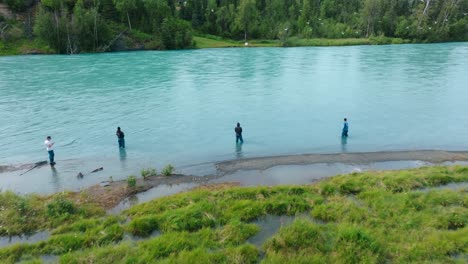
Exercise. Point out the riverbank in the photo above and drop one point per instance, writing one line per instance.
(263, 163)
(389, 216)
(28, 47)
(208, 41)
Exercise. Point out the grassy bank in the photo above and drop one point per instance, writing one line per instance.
(372, 217)
(141, 41)
(24, 46)
(208, 41)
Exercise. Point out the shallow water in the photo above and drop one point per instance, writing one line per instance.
(180, 107)
(24, 239)
(153, 193)
(454, 186)
(271, 224)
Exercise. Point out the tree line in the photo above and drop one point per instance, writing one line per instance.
(71, 26)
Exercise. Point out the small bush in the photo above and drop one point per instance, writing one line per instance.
(168, 170)
(60, 207)
(145, 173)
(143, 226)
(131, 181)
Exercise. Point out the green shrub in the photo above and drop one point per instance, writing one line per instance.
(131, 181)
(145, 173)
(143, 226)
(60, 207)
(168, 170)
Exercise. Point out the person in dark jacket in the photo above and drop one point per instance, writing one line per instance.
(120, 137)
(344, 133)
(238, 131)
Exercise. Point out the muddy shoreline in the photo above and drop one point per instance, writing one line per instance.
(263, 163)
(109, 194)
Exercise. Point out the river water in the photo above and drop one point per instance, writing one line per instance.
(181, 107)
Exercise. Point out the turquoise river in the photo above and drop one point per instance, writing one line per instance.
(181, 107)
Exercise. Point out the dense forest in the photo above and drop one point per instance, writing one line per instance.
(72, 26)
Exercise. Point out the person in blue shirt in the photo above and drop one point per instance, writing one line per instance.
(344, 133)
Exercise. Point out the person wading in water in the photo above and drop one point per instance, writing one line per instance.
(344, 133)
(49, 147)
(238, 131)
(120, 137)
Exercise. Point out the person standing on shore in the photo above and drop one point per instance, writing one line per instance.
(344, 133)
(49, 147)
(238, 131)
(120, 137)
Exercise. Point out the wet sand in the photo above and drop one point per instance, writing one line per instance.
(263, 163)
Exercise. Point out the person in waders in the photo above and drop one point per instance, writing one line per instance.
(238, 131)
(344, 133)
(120, 137)
(49, 147)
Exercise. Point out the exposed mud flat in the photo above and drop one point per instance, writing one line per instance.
(263, 163)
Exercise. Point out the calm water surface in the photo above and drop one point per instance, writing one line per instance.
(181, 107)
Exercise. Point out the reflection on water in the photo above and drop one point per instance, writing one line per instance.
(239, 154)
(55, 180)
(123, 157)
(344, 142)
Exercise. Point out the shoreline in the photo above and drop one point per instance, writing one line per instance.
(213, 42)
(109, 194)
(263, 163)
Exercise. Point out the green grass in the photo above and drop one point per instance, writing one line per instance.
(208, 41)
(203, 43)
(24, 46)
(372, 217)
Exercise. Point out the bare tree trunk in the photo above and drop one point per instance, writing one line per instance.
(245, 35)
(95, 31)
(2, 30)
(426, 8)
(368, 27)
(448, 11)
(69, 44)
(57, 28)
(129, 24)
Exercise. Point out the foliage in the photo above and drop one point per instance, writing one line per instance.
(75, 26)
(168, 170)
(18, 5)
(131, 181)
(176, 34)
(145, 173)
(60, 207)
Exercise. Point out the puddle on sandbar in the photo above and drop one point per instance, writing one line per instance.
(271, 224)
(153, 193)
(24, 239)
(304, 174)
